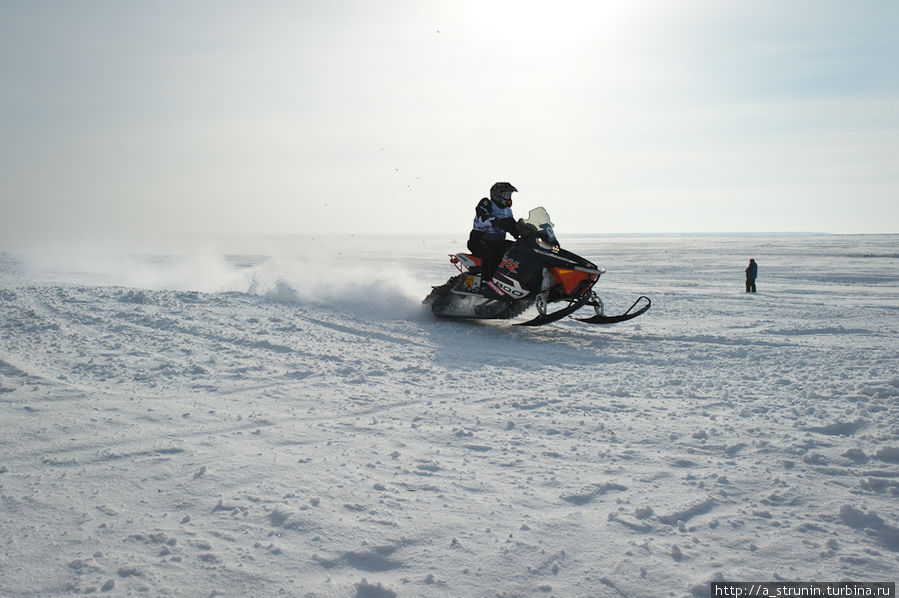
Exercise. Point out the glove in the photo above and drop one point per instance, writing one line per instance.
(483, 210)
(526, 228)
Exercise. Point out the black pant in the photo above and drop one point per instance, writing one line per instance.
(750, 285)
(490, 252)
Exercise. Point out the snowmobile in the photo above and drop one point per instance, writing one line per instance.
(535, 270)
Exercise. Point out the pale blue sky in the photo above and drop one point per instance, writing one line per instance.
(355, 116)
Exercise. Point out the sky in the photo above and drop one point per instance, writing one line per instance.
(396, 116)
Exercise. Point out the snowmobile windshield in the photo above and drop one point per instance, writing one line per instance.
(540, 218)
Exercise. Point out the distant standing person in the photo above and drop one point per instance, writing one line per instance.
(752, 271)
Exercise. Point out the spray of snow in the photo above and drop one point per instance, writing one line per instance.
(376, 288)
(382, 291)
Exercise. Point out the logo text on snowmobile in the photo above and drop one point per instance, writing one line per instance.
(512, 287)
(510, 265)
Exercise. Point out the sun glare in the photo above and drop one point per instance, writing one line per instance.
(529, 21)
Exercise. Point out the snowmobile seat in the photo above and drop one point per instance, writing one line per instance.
(466, 262)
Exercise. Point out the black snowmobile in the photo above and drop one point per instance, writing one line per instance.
(535, 270)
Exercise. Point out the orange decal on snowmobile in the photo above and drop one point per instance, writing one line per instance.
(569, 278)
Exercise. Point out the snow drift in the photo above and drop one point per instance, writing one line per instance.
(241, 423)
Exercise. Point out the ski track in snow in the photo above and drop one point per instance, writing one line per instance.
(266, 442)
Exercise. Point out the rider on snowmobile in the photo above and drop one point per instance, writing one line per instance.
(493, 219)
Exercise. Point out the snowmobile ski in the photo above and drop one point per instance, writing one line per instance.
(542, 319)
(601, 318)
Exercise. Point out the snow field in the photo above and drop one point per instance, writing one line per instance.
(267, 433)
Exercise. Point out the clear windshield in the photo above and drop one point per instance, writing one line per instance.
(540, 218)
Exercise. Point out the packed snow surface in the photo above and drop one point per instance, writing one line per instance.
(283, 417)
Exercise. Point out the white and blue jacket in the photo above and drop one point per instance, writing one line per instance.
(493, 221)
